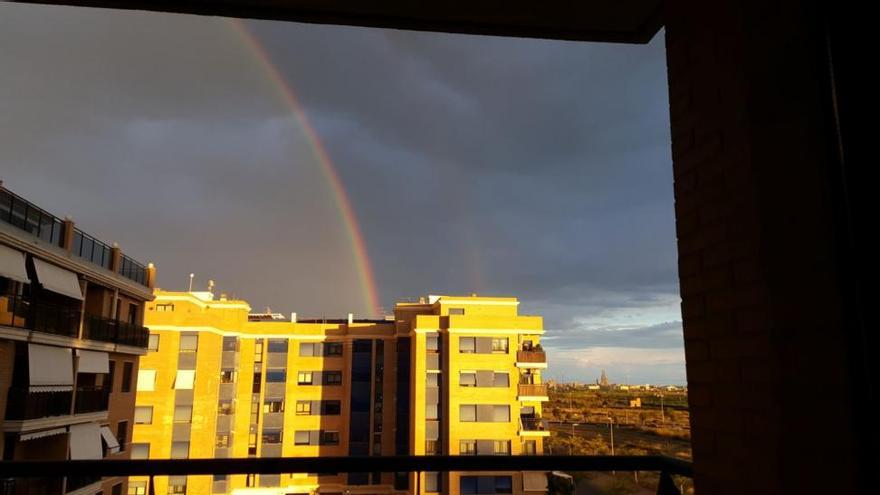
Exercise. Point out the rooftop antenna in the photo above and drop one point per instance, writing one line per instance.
(191, 275)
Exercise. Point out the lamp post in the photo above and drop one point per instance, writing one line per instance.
(571, 445)
(611, 430)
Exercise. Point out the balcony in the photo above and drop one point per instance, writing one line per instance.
(533, 427)
(75, 483)
(117, 332)
(28, 217)
(23, 312)
(531, 358)
(528, 391)
(91, 399)
(24, 405)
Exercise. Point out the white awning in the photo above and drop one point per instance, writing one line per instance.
(185, 379)
(109, 439)
(85, 441)
(41, 434)
(57, 279)
(12, 264)
(50, 368)
(534, 481)
(92, 362)
(146, 380)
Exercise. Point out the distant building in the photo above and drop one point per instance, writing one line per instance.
(450, 375)
(593, 387)
(637, 402)
(603, 380)
(71, 316)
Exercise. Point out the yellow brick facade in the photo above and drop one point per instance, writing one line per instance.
(378, 387)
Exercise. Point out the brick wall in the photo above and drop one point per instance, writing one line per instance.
(763, 327)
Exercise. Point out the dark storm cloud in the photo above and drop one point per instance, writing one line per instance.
(533, 168)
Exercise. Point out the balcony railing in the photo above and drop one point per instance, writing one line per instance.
(533, 424)
(531, 390)
(91, 399)
(30, 486)
(22, 404)
(531, 356)
(22, 312)
(119, 332)
(666, 466)
(25, 215)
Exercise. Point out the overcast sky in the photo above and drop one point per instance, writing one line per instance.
(474, 164)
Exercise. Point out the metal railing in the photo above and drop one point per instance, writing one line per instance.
(132, 270)
(23, 405)
(91, 399)
(119, 332)
(532, 390)
(76, 482)
(666, 466)
(533, 424)
(27, 216)
(30, 486)
(23, 312)
(532, 356)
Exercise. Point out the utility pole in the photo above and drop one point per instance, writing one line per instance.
(611, 430)
(662, 414)
(571, 445)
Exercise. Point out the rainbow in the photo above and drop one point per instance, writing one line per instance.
(343, 203)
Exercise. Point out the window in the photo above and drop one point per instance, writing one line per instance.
(401, 481)
(467, 412)
(258, 383)
(433, 342)
(177, 487)
(222, 441)
(501, 414)
(502, 380)
(255, 411)
(273, 406)
(133, 313)
(251, 480)
(432, 482)
(143, 415)
(230, 344)
(111, 374)
(331, 407)
(301, 438)
(140, 451)
(473, 485)
(183, 414)
(467, 447)
(500, 345)
(164, 308)
(432, 411)
(276, 376)
(122, 434)
(228, 376)
(432, 380)
(456, 311)
(258, 350)
(146, 381)
(332, 349)
(189, 343)
(304, 378)
(307, 349)
(153, 342)
(530, 447)
(127, 372)
(329, 438)
(332, 378)
(252, 442)
(225, 407)
(502, 447)
(185, 380)
(137, 488)
(278, 345)
(467, 345)
(467, 379)
(272, 436)
(179, 450)
(303, 408)
(503, 484)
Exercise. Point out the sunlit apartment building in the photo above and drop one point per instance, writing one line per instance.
(446, 375)
(71, 315)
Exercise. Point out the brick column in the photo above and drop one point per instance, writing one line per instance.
(763, 322)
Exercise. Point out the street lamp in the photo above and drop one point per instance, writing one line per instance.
(571, 445)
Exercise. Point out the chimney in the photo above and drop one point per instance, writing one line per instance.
(293, 317)
(211, 286)
(350, 318)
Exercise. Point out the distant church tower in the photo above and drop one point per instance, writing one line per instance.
(603, 380)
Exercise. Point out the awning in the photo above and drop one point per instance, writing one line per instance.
(41, 434)
(12, 264)
(92, 362)
(57, 279)
(185, 379)
(146, 380)
(85, 441)
(109, 439)
(50, 368)
(534, 481)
